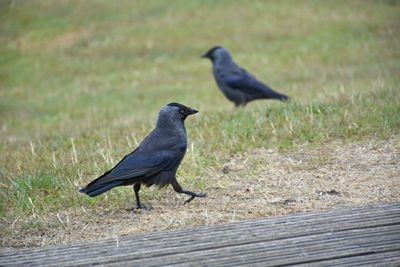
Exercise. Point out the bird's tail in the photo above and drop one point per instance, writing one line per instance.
(269, 93)
(278, 96)
(283, 97)
(94, 189)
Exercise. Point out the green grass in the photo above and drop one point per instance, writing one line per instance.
(81, 82)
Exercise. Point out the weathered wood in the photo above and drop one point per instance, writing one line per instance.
(354, 236)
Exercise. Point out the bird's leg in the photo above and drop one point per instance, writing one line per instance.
(136, 188)
(238, 106)
(178, 188)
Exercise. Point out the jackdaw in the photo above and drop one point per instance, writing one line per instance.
(237, 84)
(155, 161)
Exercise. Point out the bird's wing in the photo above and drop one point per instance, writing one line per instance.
(244, 81)
(141, 163)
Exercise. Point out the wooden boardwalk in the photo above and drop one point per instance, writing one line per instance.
(367, 236)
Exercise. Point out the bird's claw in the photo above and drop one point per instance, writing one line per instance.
(195, 195)
(142, 208)
(188, 200)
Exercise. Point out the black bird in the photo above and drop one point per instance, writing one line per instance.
(155, 161)
(237, 84)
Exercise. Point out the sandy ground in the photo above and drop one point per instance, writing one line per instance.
(261, 183)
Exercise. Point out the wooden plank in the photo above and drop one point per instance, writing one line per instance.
(347, 234)
(281, 252)
(147, 249)
(246, 233)
(315, 223)
(387, 259)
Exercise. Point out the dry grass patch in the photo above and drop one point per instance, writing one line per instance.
(260, 183)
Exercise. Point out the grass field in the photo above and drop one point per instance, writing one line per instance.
(81, 83)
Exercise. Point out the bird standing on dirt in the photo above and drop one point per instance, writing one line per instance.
(155, 161)
(237, 84)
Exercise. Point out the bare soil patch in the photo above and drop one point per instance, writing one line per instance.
(260, 183)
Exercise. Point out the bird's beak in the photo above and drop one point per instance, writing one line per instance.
(192, 111)
(205, 55)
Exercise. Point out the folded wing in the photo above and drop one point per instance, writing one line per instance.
(134, 166)
(248, 84)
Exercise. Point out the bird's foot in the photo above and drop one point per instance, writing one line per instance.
(201, 194)
(140, 208)
(144, 208)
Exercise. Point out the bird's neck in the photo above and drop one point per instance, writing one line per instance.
(224, 59)
(173, 125)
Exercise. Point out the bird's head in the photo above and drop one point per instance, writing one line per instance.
(174, 113)
(217, 53)
(211, 54)
(180, 109)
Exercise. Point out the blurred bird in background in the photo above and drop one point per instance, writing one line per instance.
(155, 161)
(237, 84)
